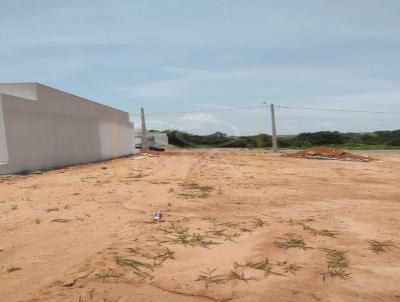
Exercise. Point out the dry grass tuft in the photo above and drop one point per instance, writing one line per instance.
(139, 268)
(163, 255)
(308, 228)
(178, 235)
(380, 246)
(291, 241)
(289, 267)
(61, 220)
(337, 264)
(234, 275)
(196, 190)
(12, 269)
(209, 278)
(266, 266)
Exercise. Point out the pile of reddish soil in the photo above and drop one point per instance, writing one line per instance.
(328, 153)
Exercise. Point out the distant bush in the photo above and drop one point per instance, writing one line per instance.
(302, 140)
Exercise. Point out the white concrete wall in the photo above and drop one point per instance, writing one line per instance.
(59, 129)
(3, 142)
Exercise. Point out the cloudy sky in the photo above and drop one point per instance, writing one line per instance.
(190, 55)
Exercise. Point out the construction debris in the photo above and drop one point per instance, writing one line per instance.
(157, 216)
(144, 155)
(328, 153)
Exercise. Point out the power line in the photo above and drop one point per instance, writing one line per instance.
(203, 111)
(340, 110)
(265, 106)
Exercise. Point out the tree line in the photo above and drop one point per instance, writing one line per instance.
(377, 139)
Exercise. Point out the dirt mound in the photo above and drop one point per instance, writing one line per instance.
(328, 153)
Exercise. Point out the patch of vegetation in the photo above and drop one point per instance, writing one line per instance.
(258, 222)
(234, 275)
(372, 140)
(12, 269)
(108, 275)
(315, 232)
(178, 235)
(289, 267)
(208, 277)
(221, 233)
(14, 207)
(336, 264)
(308, 228)
(52, 210)
(139, 268)
(291, 241)
(37, 220)
(204, 191)
(229, 224)
(136, 175)
(380, 246)
(159, 182)
(131, 250)
(162, 256)
(61, 220)
(266, 266)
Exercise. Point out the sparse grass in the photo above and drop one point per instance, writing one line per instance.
(209, 278)
(136, 175)
(289, 267)
(131, 250)
(138, 266)
(187, 195)
(14, 207)
(297, 221)
(308, 228)
(203, 190)
(230, 224)
(245, 229)
(182, 236)
(12, 269)
(291, 241)
(220, 233)
(37, 221)
(52, 210)
(234, 275)
(162, 256)
(258, 222)
(196, 186)
(266, 266)
(336, 264)
(380, 246)
(159, 182)
(61, 220)
(107, 275)
(315, 232)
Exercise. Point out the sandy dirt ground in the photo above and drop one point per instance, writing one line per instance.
(239, 226)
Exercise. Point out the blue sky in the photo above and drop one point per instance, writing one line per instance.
(206, 54)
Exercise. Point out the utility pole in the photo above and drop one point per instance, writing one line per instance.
(144, 132)
(274, 138)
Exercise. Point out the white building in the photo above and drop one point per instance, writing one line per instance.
(42, 128)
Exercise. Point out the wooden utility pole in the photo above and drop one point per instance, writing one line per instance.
(274, 138)
(144, 144)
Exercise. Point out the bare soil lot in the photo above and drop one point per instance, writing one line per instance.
(239, 226)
